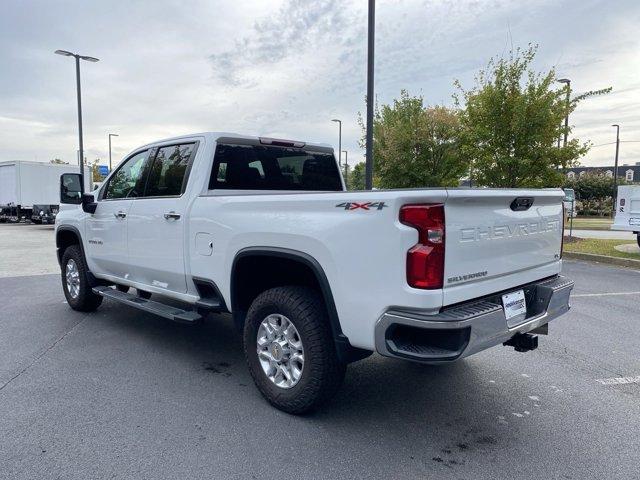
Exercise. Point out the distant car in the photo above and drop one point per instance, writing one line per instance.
(627, 214)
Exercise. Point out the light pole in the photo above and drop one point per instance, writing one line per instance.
(339, 139)
(370, 58)
(615, 168)
(81, 148)
(111, 135)
(346, 168)
(567, 82)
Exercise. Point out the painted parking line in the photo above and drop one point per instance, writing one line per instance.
(619, 380)
(603, 294)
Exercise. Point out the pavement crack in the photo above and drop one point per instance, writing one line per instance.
(43, 353)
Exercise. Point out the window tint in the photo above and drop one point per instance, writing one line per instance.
(168, 170)
(257, 167)
(128, 181)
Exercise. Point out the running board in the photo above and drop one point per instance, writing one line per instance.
(166, 311)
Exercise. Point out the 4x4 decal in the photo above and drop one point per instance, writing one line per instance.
(363, 206)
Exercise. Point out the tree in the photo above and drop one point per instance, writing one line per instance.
(416, 145)
(57, 161)
(356, 177)
(594, 192)
(511, 122)
(95, 171)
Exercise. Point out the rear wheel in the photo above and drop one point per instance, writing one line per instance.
(75, 281)
(638, 239)
(290, 350)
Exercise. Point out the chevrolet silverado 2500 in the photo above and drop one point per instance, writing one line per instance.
(314, 276)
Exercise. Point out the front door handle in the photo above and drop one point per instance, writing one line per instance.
(120, 214)
(171, 215)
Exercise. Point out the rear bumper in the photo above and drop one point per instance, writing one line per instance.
(467, 328)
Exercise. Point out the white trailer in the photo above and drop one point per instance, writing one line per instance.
(627, 214)
(25, 184)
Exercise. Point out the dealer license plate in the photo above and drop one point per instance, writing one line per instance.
(514, 305)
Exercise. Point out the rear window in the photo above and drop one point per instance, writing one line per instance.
(258, 167)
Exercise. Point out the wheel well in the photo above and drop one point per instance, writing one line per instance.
(254, 274)
(64, 239)
(258, 269)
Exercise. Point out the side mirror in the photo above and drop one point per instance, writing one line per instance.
(71, 188)
(89, 204)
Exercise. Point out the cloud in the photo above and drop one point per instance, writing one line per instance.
(286, 67)
(298, 25)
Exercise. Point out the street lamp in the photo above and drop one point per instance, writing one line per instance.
(111, 135)
(339, 138)
(88, 59)
(567, 82)
(615, 168)
(370, 58)
(346, 168)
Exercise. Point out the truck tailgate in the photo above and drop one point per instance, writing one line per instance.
(491, 235)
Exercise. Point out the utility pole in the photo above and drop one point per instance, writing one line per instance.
(339, 139)
(615, 169)
(346, 168)
(370, 63)
(111, 135)
(567, 82)
(79, 95)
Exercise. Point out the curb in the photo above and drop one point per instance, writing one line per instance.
(590, 257)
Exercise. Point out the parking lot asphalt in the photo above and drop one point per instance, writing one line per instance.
(123, 394)
(27, 250)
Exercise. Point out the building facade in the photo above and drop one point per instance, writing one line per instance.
(631, 173)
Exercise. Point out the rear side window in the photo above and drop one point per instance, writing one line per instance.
(258, 167)
(168, 170)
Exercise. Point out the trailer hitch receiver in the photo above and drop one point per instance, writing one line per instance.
(522, 342)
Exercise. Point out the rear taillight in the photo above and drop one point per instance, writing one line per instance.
(425, 260)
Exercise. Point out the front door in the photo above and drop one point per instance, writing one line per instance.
(106, 229)
(156, 222)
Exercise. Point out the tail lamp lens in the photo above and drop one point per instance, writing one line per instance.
(425, 260)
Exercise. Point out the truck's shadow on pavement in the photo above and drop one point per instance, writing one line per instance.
(448, 407)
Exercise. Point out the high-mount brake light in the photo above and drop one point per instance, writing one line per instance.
(425, 260)
(281, 143)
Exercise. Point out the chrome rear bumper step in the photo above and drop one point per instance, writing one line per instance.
(166, 311)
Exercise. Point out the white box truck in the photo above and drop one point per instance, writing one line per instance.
(31, 190)
(627, 215)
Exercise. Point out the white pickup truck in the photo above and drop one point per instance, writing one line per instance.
(314, 276)
(627, 213)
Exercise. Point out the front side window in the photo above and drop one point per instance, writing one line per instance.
(128, 181)
(168, 170)
(259, 167)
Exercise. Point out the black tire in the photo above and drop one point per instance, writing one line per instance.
(122, 288)
(322, 373)
(143, 294)
(85, 300)
(638, 239)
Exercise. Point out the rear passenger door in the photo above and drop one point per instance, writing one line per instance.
(156, 220)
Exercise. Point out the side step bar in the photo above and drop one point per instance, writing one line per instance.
(167, 311)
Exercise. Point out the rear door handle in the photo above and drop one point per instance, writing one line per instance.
(171, 215)
(120, 214)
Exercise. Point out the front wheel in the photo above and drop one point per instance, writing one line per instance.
(75, 281)
(290, 351)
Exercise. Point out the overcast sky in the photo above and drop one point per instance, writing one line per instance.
(285, 68)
